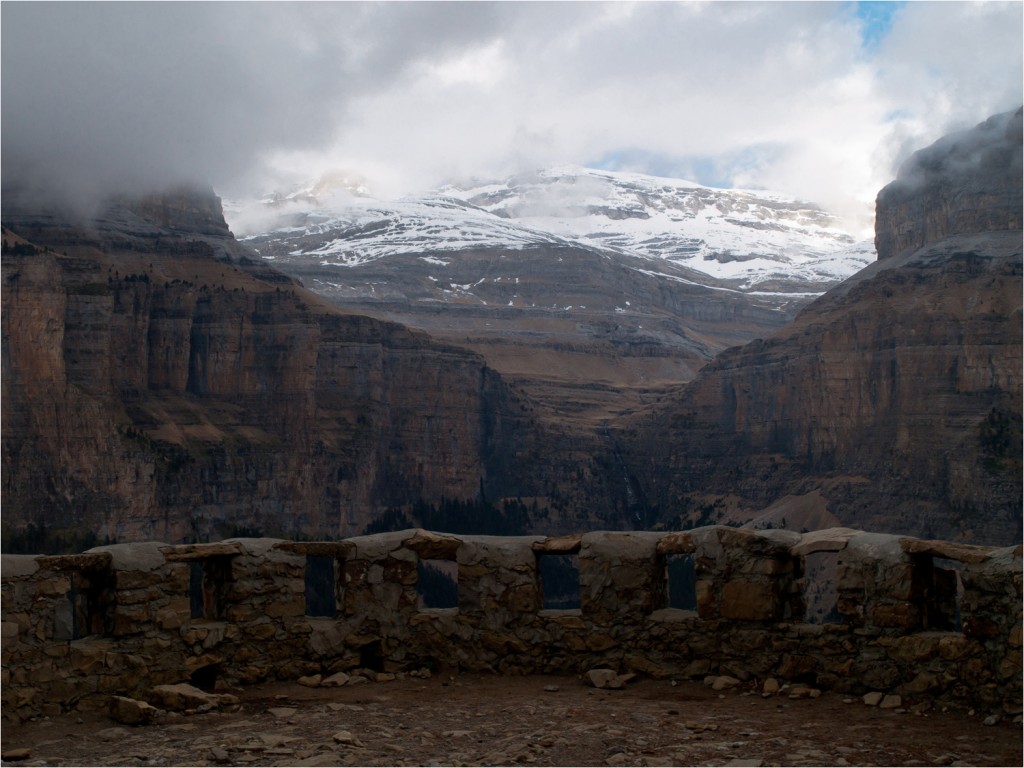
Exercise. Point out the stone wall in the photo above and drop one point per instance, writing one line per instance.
(838, 609)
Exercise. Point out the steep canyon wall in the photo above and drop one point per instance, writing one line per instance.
(894, 400)
(162, 385)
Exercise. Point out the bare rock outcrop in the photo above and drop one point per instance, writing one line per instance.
(159, 383)
(896, 396)
(965, 183)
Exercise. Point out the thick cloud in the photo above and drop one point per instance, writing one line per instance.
(125, 96)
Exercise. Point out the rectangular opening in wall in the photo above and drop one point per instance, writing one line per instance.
(681, 582)
(819, 591)
(437, 584)
(322, 585)
(559, 581)
(944, 594)
(195, 589)
(209, 581)
(89, 609)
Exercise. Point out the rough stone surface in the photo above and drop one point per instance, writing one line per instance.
(895, 632)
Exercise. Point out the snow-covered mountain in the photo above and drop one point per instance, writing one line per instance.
(750, 241)
(590, 289)
(730, 234)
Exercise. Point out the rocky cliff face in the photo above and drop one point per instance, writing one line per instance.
(894, 401)
(159, 384)
(966, 182)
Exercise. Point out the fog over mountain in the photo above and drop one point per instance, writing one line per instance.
(817, 100)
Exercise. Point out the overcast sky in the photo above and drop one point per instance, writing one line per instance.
(818, 100)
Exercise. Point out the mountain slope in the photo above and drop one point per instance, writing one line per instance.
(893, 401)
(588, 289)
(751, 239)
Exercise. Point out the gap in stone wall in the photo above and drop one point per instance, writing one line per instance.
(945, 594)
(559, 576)
(437, 584)
(819, 591)
(321, 582)
(208, 585)
(681, 582)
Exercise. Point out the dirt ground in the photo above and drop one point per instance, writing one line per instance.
(539, 720)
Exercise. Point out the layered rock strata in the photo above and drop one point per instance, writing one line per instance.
(159, 384)
(969, 181)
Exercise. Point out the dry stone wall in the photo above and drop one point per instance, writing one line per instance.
(926, 620)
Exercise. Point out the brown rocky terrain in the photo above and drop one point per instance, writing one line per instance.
(549, 720)
(159, 383)
(969, 181)
(892, 403)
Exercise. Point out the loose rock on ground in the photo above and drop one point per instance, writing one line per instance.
(538, 720)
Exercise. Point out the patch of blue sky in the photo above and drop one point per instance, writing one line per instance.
(876, 18)
(719, 171)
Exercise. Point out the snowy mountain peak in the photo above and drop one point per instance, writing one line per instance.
(744, 237)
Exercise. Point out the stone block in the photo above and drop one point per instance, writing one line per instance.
(876, 675)
(502, 643)
(131, 711)
(896, 615)
(892, 701)
(55, 586)
(915, 647)
(169, 618)
(974, 672)
(707, 599)
(768, 566)
(286, 608)
(192, 663)
(183, 696)
(522, 599)
(1010, 666)
(433, 546)
(240, 613)
(980, 627)
(336, 680)
(326, 638)
(87, 661)
(603, 678)
(574, 643)
(743, 600)
(696, 668)
(250, 674)
(136, 596)
(600, 641)
(923, 682)
(399, 572)
(873, 699)
(724, 682)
